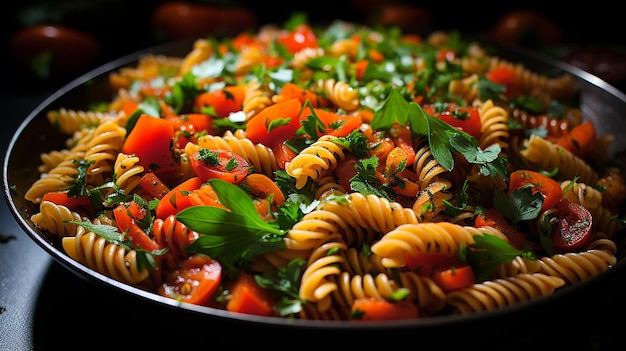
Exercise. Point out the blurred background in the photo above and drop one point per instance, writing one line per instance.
(53, 41)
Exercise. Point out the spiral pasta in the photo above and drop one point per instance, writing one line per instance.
(341, 94)
(529, 81)
(256, 99)
(577, 266)
(69, 121)
(494, 128)
(62, 175)
(365, 218)
(127, 172)
(551, 156)
(312, 162)
(502, 292)
(104, 257)
(440, 237)
(259, 156)
(54, 218)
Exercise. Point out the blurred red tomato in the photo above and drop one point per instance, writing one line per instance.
(53, 50)
(527, 28)
(409, 17)
(176, 20)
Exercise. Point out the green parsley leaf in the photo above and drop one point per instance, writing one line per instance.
(234, 236)
(487, 253)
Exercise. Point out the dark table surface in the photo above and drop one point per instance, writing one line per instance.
(45, 306)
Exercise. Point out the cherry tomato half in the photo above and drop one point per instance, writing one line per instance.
(54, 50)
(218, 163)
(194, 281)
(574, 227)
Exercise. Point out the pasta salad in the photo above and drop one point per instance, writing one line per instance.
(334, 173)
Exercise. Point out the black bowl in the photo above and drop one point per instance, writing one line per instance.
(600, 102)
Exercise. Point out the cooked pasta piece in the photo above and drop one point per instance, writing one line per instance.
(576, 266)
(104, 257)
(259, 156)
(54, 219)
(549, 156)
(365, 218)
(69, 121)
(502, 292)
(440, 237)
(127, 171)
(312, 163)
(341, 94)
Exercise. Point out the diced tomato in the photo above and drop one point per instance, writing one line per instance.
(334, 124)
(150, 140)
(247, 296)
(275, 124)
(80, 204)
(243, 40)
(494, 218)
(126, 216)
(454, 278)
(178, 198)
(573, 227)
(205, 196)
(466, 118)
(301, 37)
(222, 101)
(360, 67)
(580, 139)
(192, 123)
(262, 186)
(401, 136)
(403, 180)
(506, 76)
(195, 281)
(345, 170)
(151, 184)
(425, 263)
(129, 107)
(272, 61)
(219, 163)
(549, 188)
(291, 90)
(370, 309)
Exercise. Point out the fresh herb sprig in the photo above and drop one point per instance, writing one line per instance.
(442, 137)
(285, 283)
(235, 235)
(487, 253)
